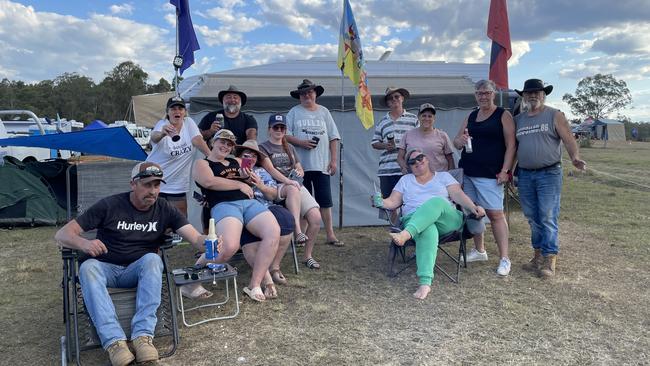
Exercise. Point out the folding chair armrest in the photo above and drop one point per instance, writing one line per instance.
(169, 243)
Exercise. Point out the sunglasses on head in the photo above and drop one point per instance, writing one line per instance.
(279, 128)
(416, 159)
(148, 172)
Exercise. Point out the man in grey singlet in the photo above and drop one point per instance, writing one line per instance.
(539, 131)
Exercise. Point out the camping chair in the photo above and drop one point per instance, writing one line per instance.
(96, 180)
(461, 235)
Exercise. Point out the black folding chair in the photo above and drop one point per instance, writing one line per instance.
(445, 242)
(80, 334)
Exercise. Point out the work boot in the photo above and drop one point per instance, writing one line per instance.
(548, 267)
(534, 264)
(144, 349)
(119, 354)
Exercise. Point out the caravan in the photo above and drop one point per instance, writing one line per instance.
(139, 133)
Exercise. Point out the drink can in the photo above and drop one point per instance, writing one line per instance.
(468, 146)
(390, 137)
(378, 200)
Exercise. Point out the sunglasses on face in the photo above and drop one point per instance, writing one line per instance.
(416, 159)
(151, 171)
(279, 128)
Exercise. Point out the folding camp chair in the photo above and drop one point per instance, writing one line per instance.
(91, 181)
(461, 235)
(80, 334)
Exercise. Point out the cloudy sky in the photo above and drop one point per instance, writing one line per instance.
(558, 41)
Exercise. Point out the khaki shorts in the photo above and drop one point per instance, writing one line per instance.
(307, 201)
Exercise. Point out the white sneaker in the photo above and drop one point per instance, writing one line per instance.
(504, 267)
(476, 256)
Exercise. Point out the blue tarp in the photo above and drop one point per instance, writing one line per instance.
(116, 142)
(95, 125)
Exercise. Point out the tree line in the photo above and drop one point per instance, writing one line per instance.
(74, 96)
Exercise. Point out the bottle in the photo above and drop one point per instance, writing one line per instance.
(211, 242)
(468, 144)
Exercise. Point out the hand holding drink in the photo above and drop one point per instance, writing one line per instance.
(377, 199)
(468, 144)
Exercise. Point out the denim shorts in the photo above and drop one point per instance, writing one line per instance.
(485, 192)
(318, 183)
(242, 210)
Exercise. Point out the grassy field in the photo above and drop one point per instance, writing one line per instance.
(349, 313)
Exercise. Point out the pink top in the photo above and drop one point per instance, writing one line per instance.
(435, 144)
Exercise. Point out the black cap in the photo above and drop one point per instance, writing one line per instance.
(175, 101)
(277, 119)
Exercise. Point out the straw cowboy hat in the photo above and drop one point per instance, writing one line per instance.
(390, 90)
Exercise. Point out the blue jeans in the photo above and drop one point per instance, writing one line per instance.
(539, 192)
(145, 274)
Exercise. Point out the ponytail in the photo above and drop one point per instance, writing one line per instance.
(285, 147)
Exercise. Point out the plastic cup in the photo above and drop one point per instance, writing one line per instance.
(378, 200)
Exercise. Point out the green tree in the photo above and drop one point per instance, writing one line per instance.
(75, 96)
(599, 95)
(121, 83)
(162, 87)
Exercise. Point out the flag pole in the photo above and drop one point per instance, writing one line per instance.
(176, 67)
(341, 156)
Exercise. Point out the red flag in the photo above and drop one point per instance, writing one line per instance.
(498, 31)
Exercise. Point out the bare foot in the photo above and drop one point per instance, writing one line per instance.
(401, 237)
(422, 292)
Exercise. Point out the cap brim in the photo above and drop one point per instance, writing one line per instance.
(150, 179)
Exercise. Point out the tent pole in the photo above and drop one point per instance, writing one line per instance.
(341, 157)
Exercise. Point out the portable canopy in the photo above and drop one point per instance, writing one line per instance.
(609, 129)
(115, 142)
(449, 86)
(96, 124)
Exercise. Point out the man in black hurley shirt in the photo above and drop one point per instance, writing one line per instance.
(130, 229)
(243, 125)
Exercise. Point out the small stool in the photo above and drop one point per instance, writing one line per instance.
(181, 277)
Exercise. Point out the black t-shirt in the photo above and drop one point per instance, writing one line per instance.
(237, 125)
(127, 232)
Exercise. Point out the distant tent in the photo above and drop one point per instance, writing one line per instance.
(26, 198)
(609, 129)
(96, 124)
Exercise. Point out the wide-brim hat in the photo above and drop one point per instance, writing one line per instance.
(174, 101)
(250, 145)
(232, 89)
(391, 90)
(146, 172)
(533, 85)
(307, 85)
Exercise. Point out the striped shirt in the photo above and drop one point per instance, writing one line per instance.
(388, 160)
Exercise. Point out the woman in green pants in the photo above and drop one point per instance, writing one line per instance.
(427, 211)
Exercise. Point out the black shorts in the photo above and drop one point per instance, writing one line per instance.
(284, 218)
(171, 197)
(318, 184)
(387, 183)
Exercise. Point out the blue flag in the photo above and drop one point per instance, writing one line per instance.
(187, 42)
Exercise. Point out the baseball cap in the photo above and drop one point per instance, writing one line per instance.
(225, 134)
(277, 119)
(175, 101)
(147, 172)
(427, 106)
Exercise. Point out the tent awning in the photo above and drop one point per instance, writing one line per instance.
(116, 142)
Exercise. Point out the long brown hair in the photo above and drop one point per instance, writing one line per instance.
(285, 147)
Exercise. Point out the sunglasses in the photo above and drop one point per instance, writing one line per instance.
(279, 128)
(151, 171)
(416, 159)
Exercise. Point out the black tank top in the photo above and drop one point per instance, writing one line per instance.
(219, 170)
(488, 144)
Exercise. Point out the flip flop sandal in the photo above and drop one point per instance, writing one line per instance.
(198, 293)
(301, 239)
(278, 276)
(270, 292)
(336, 243)
(312, 264)
(255, 294)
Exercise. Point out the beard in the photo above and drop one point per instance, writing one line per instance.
(233, 108)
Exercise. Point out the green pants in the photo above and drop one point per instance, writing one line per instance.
(435, 217)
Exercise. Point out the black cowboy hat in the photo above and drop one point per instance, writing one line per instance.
(307, 85)
(533, 85)
(232, 89)
(391, 90)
